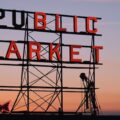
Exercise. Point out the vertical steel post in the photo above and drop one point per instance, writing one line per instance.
(94, 62)
(61, 66)
(28, 109)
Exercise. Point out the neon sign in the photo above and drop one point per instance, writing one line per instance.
(39, 23)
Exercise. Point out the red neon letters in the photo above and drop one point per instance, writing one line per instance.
(58, 25)
(97, 48)
(88, 20)
(73, 52)
(13, 49)
(40, 23)
(34, 52)
(75, 25)
(55, 50)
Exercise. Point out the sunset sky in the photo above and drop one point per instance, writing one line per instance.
(108, 75)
